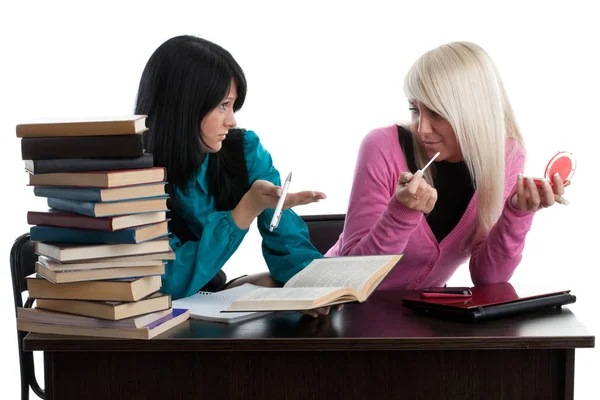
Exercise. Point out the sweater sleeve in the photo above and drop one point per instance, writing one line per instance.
(197, 262)
(286, 250)
(495, 259)
(376, 222)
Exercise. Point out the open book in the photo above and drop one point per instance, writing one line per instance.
(208, 306)
(324, 282)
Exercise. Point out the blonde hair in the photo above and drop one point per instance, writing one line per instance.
(460, 82)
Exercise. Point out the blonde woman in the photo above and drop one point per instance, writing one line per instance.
(471, 202)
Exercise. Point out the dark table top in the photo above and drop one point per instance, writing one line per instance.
(381, 323)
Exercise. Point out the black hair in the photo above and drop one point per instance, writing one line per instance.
(184, 80)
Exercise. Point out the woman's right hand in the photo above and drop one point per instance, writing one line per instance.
(415, 193)
(264, 194)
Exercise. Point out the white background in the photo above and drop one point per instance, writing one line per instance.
(321, 75)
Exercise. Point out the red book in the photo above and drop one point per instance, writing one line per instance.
(69, 220)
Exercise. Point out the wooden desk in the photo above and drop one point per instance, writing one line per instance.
(376, 350)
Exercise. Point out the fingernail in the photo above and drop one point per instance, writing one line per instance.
(279, 191)
(520, 177)
(557, 175)
(545, 182)
(530, 179)
(563, 201)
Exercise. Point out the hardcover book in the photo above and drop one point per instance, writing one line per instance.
(51, 166)
(71, 220)
(130, 289)
(83, 126)
(100, 179)
(74, 252)
(135, 192)
(110, 209)
(82, 147)
(97, 274)
(111, 310)
(89, 236)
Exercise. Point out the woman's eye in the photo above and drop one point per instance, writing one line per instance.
(223, 106)
(413, 109)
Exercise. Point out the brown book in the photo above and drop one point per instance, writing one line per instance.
(42, 316)
(111, 310)
(100, 179)
(72, 252)
(82, 147)
(131, 289)
(97, 274)
(324, 282)
(83, 126)
(71, 220)
(149, 331)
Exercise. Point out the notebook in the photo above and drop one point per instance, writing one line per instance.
(489, 302)
(207, 306)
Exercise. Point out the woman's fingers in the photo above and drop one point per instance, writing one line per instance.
(547, 196)
(534, 194)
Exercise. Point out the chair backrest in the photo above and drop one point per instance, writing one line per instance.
(22, 264)
(324, 230)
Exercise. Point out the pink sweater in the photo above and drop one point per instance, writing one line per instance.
(377, 223)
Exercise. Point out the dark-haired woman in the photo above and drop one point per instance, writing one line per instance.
(220, 178)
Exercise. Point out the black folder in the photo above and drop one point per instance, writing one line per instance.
(489, 302)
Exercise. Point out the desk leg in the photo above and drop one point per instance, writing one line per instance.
(424, 374)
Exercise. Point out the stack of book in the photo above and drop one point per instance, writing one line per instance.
(102, 244)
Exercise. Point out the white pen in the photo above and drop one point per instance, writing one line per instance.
(430, 161)
(279, 208)
(426, 165)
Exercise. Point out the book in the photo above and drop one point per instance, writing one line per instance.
(110, 209)
(138, 234)
(131, 289)
(71, 220)
(82, 147)
(57, 318)
(149, 331)
(72, 252)
(324, 282)
(111, 310)
(134, 192)
(83, 126)
(208, 305)
(97, 274)
(100, 179)
(87, 164)
(132, 261)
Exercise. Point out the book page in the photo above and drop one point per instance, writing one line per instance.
(287, 293)
(350, 272)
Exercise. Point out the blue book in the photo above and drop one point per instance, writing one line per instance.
(135, 192)
(109, 209)
(138, 234)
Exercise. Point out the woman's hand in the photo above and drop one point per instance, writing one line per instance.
(263, 194)
(317, 312)
(530, 197)
(415, 193)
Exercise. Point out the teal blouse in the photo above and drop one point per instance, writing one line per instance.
(286, 250)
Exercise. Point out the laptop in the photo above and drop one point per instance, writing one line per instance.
(489, 302)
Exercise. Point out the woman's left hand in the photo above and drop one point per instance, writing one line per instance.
(530, 197)
(317, 312)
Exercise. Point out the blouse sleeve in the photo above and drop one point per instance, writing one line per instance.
(495, 259)
(197, 262)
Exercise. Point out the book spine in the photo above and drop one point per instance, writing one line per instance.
(67, 220)
(74, 206)
(68, 193)
(68, 235)
(82, 147)
(88, 164)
